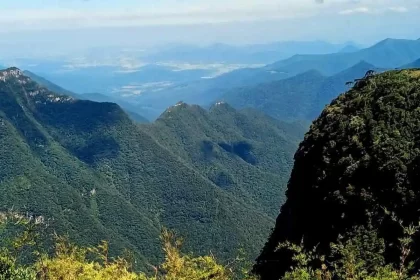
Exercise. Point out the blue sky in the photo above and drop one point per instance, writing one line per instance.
(152, 12)
(148, 22)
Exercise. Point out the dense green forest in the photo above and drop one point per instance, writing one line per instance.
(352, 200)
(95, 175)
(243, 152)
(355, 184)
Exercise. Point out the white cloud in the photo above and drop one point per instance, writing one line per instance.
(399, 9)
(186, 12)
(378, 7)
(359, 10)
(166, 12)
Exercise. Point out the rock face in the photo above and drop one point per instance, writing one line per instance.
(10, 72)
(359, 162)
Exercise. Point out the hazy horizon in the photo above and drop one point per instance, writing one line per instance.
(28, 27)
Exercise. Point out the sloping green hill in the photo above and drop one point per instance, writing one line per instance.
(41, 177)
(49, 85)
(136, 112)
(244, 153)
(286, 99)
(132, 110)
(93, 173)
(358, 168)
(298, 98)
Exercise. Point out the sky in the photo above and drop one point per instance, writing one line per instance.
(76, 24)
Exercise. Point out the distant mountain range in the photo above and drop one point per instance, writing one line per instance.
(142, 94)
(387, 54)
(349, 49)
(96, 175)
(301, 97)
(257, 53)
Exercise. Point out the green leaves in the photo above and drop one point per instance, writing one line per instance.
(372, 164)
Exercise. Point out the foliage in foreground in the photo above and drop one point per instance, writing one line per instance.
(359, 256)
(354, 257)
(98, 176)
(70, 262)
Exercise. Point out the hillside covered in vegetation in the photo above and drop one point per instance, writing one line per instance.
(245, 153)
(352, 199)
(95, 175)
(354, 185)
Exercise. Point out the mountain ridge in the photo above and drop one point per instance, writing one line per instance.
(222, 137)
(89, 168)
(388, 53)
(301, 97)
(97, 97)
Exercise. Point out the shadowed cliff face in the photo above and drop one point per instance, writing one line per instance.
(359, 162)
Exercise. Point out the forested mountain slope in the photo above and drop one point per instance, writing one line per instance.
(95, 175)
(245, 153)
(49, 85)
(298, 98)
(356, 171)
(132, 110)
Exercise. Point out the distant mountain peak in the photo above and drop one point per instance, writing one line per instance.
(386, 40)
(178, 107)
(12, 69)
(363, 63)
(389, 42)
(358, 67)
(309, 74)
(349, 49)
(221, 106)
(10, 72)
(180, 103)
(33, 90)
